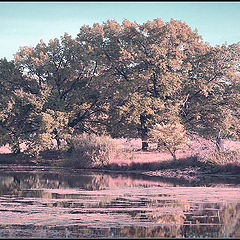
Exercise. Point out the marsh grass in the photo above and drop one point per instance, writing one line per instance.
(223, 157)
(224, 161)
(154, 166)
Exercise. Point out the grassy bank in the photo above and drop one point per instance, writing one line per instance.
(59, 159)
(125, 155)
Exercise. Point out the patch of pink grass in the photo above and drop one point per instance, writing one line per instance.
(5, 149)
(195, 147)
(135, 155)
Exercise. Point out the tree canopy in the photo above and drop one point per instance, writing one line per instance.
(124, 80)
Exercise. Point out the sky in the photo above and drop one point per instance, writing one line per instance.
(25, 23)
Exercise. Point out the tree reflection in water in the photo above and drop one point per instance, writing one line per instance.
(57, 204)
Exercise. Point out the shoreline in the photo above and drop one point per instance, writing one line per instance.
(185, 175)
(151, 164)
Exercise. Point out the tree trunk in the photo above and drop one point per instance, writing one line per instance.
(143, 133)
(174, 156)
(144, 145)
(70, 145)
(172, 152)
(58, 143)
(218, 141)
(16, 148)
(57, 138)
(159, 145)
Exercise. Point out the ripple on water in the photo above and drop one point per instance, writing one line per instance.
(41, 204)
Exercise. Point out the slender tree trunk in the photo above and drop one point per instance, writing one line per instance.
(71, 146)
(57, 138)
(58, 143)
(144, 131)
(218, 141)
(172, 152)
(174, 156)
(159, 144)
(16, 148)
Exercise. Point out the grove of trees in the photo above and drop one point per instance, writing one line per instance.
(153, 80)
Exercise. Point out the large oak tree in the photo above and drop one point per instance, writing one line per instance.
(121, 79)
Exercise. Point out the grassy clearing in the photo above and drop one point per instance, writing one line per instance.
(91, 151)
(198, 152)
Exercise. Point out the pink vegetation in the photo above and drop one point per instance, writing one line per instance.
(196, 147)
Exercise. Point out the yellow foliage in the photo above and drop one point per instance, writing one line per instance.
(170, 136)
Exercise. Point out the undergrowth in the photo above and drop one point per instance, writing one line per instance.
(91, 150)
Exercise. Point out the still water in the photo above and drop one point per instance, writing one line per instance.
(58, 203)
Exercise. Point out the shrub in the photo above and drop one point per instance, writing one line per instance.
(91, 150)
(200, 147)
(223, 157)
(170, 137)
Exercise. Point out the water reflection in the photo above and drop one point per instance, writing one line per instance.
(58, 204)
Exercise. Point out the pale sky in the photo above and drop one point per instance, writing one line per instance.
(25, 23)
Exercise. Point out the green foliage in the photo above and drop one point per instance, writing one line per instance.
(212, 94)
(123, 80)
(52, 125)
(15, 108)
(90, 150)
(151, 65)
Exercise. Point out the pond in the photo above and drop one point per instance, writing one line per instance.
(67, 203)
